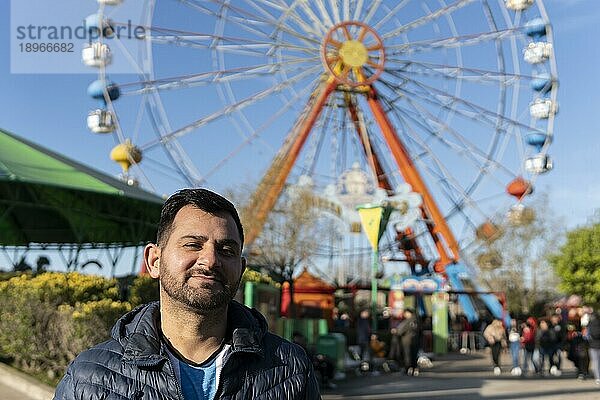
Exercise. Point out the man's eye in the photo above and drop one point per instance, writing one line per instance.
(229, 251)
(192, 246)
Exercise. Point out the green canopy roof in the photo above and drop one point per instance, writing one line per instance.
(48, 198)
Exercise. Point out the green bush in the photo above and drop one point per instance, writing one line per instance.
(47, 319)
(144, 289)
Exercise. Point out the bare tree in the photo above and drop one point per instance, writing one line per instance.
(514, 259)
(293, 234)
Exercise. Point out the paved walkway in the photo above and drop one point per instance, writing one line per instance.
(465, 377)
(9, 393)
(454, 376)
(15, 385)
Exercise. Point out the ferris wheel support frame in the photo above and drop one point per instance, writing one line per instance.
(264, 198)
(413, 254)
(444, 240)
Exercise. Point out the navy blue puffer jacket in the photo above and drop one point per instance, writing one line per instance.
(134, 363)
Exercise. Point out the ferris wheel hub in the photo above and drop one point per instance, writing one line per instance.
(353, 53)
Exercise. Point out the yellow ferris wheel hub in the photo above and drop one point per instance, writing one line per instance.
(354, 53)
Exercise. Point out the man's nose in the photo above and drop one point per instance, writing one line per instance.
(208, 256)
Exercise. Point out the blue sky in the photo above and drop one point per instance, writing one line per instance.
(50, 109)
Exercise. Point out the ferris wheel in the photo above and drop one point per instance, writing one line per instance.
(452, 100)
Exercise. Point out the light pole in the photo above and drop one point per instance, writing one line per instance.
(373, 218)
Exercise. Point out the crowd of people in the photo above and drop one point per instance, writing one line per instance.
(538, 346)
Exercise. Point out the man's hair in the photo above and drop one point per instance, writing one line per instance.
(202, 199)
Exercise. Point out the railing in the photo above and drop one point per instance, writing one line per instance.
(466, 341)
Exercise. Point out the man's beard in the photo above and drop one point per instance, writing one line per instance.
(201, 299)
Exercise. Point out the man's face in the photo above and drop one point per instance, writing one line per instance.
(201, 263)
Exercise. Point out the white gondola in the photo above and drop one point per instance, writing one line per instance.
(518, 5)
(101, 121)
(96, 55)
(542, 108)
(537, 52)
(538, 164)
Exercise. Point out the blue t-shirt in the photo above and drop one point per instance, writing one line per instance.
(199, 382)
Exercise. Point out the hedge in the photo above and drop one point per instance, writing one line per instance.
(47, 319)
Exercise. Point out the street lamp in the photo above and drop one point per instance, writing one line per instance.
(373, 218)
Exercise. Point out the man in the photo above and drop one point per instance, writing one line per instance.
(196, 342)
(408, 333)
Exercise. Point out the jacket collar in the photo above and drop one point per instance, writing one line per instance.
(139, 333)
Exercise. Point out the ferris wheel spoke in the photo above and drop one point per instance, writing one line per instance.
(232, 108)
(473, 110)
(450, 42)
(453, 71)
(335, 10)
(345, 10)
(232, 45)
(458, 74)
(464, 147)
(256, 5)
(289, 13)
(358, 10)
(245, 18)
(426, 18)
(173, 150)
(480, 160)
(391, 13)
(374, 6)
(441, 173)
(305, 7)
(433, 126)
(247, 25)
(470, 150)
(444, 102)
(324, 13)
(212, 77)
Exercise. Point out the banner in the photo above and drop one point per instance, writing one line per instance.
(370, 218)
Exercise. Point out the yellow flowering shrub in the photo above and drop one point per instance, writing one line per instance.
(47, 319)
(144, 289)
(255, 276)
(62, 288)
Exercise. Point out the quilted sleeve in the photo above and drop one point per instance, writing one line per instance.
(65, 389)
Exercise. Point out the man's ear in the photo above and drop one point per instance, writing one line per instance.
(152, 259)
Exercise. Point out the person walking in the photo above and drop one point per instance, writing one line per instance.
(558, 344)
(196, 342)
(408, 333)
(514, 340)
(363, 335)
(578, 351)
(593, 334)
(545, 339)
(528, 342)
(495, 336)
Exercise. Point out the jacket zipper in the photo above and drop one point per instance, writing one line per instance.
(225, 361)
(177, 384)
(220, 387)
